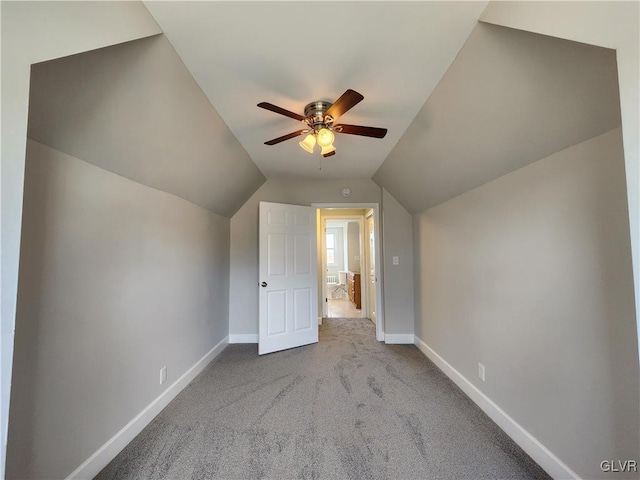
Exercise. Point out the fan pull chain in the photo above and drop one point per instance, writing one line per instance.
(320, 164)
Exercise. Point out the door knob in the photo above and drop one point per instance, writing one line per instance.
(264, 284)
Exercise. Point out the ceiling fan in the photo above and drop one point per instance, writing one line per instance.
(320, 117)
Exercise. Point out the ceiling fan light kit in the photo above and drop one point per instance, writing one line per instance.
(328, 150)
(325, 137)
(320, 117)
(308, 143)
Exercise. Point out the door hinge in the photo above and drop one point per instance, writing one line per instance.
(326, 300)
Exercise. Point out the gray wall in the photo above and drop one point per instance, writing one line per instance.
(116, 280)
(531, 275)
(353, 246)
(243, 315)
(509, 99)
(398, 279)
(611, 25)
(34, 32)
(134, 109)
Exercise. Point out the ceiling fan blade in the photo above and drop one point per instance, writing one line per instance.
(329, 154)
(286, 137)
(346, 102)
(360, 130)
(274, 108)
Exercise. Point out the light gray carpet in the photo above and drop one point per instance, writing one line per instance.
(347, 407)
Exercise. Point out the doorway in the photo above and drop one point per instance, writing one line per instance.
(343, 264)
(348, 253)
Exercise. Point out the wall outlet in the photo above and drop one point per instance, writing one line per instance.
(481, 371)
(163, 375)
(396, 261)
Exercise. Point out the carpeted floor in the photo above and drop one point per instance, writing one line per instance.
(347, 407)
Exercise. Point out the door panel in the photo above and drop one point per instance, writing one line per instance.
(288, 301)
(277, 254)
(302, 254)
(276, 307)
(302, 309)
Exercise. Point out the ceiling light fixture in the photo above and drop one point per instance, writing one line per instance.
(308, 143)
(320, 129)
(328, 150)
(319, 118)
(325, 137)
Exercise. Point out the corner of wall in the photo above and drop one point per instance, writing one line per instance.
(397, 253)
(107, 452)
(532, 446)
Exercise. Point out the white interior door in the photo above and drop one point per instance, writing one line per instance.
(288, 269)
(372, 275)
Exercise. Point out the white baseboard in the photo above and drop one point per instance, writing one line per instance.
(101, 458)
(399, 338)
(243, 338)
(536, 450)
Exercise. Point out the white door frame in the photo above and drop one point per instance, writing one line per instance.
(367, 261)
(378, 254)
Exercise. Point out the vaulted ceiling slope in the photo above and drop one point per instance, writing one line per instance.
(293, 53)
(134, 109)
(509, 99)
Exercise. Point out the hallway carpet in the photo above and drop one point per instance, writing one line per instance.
(348, 407)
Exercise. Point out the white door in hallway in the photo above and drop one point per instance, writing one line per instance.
(288, 276)
(371, 267)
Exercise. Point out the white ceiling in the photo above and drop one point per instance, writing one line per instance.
(290, 54)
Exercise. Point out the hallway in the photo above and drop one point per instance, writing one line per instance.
(338, 303)
(342, 308)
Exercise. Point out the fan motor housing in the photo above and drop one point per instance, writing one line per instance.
(315, 111)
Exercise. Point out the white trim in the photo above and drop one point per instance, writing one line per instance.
(399, 338)
(243, 338)
(536, 450)
(323, 261)
(350, 206)
(101, 458)
(364, 285)
(319, 320)
(379, 269)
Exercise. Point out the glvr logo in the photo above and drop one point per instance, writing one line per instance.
(615, 466)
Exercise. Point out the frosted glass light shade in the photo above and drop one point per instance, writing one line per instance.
(308, 143)
(325, 137)
(327, 149)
